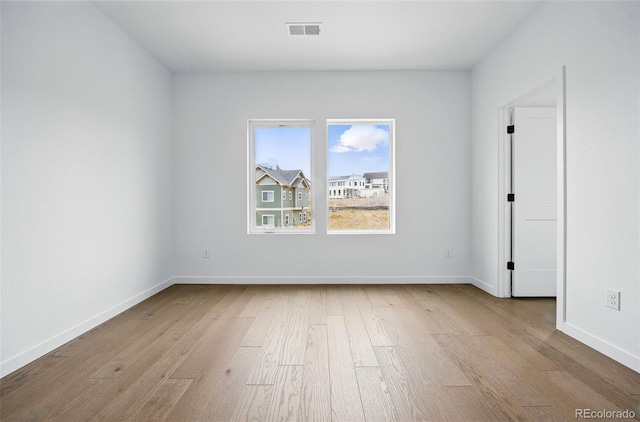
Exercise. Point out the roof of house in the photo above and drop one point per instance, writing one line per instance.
(351, 177)
(297, 182)
(376, 175)
(284, 177)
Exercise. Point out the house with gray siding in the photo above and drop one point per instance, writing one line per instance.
(282, 197)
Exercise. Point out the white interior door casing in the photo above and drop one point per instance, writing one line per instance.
(535, 209)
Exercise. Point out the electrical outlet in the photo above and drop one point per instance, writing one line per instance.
(205, 253)
(448, 253)
(613, 299)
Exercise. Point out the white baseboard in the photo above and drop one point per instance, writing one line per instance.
(482, 285)
(28, 356)
(320, 280)
(602, 346)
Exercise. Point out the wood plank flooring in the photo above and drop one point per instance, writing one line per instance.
(322, 353)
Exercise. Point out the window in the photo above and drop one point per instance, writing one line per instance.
(267, 196)
(361, 150)
(279, 162)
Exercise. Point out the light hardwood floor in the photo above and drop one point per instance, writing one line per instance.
(341, 353)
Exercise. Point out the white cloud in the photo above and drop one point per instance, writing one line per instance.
(339, 148)
(360, 138)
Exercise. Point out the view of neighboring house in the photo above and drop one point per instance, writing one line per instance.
(282, 197)
(358, 185)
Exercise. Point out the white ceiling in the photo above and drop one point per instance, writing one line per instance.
(200, 36)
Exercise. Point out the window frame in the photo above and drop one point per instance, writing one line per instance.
(392, 173)
(273, 196)
(252, 210)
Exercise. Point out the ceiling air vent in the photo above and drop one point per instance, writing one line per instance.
(303, 28)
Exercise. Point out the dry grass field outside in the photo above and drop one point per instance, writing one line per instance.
(349, 216)
(359, 220)
(375, 201)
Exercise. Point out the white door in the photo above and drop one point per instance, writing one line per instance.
(534, 210)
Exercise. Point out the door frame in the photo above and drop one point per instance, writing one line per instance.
(504, 183)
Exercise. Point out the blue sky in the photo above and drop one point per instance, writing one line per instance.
(290, 147)
(357, 149)
(353, 149)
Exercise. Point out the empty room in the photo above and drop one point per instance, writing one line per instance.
(319, 210)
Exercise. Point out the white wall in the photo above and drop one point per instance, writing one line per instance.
(432, 165)
(599, 44)
(86, 175)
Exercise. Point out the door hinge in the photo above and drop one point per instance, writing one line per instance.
(511, 129)
(511, 197)
(510, 265)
